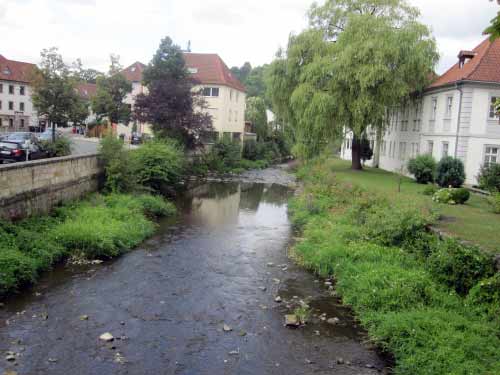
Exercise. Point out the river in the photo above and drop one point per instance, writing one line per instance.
(221, 263)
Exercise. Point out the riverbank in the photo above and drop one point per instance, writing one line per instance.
(430, 303)
(99, 227)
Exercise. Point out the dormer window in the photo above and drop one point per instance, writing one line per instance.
(464, 57)
(193, 70)
(6, 71)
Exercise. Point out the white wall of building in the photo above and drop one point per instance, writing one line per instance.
(17, 113)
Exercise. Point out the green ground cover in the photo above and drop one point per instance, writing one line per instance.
(433, 304)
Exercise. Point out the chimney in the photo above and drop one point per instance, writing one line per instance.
(464, 57)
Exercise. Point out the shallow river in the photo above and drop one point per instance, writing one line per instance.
(222, 262)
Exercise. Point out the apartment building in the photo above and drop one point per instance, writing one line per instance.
(454, 116)
(16, 108)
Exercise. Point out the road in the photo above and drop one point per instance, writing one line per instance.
(198, 298)
(82, 146)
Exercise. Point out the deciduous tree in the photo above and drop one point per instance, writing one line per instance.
(494, 29)
(256, 113)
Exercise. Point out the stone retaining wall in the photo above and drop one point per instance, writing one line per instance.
(35, 187)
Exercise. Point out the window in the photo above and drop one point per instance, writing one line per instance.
(493, 112)
(22, 123)
(0, 104)
(21, 106)
(11, 122)
(449, 106)
(430, 147)
(434, 105)
(237, 137)
(210, 91)
(491, 154)
(11, 106)
(446, 148)
(21, 90)
(1, 88)
(11, 89)
(418, 114)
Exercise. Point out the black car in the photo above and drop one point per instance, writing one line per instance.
(14, 151)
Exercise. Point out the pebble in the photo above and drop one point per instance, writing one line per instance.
(340, 361)
(84, 317)
(52, 360)
(263, 288)
(234, 352)
(11, 356)
(333, 321)
(291, 320)
(277, 299)
(227, 328)
(108, 337)
(328, 283)
(270, 264)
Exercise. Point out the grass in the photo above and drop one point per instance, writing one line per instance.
(433, 304)
(474, 221)
(98, 227)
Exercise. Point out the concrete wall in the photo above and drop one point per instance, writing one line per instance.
(35, 187)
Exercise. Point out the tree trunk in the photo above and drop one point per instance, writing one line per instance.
(356, 154)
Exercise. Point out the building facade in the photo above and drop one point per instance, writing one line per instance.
(454, 116)
(16, 108)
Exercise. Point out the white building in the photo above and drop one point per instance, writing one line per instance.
(454, 116)
(16, 108)
(224, 94)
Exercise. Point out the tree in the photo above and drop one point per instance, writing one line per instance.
(54, 91)
(380, 56)
(494, 29)
(84, 75)
(171, 104)
(256, 113)
(79, 111)
(110, 94)
(242, 73)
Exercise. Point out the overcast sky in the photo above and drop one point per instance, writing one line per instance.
(238, 30)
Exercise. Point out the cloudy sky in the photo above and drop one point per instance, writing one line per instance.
(238, 30)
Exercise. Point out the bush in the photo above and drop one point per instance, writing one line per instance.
(460, 195)
(61, 147)
(223, 156)
(489, 177)
(430, 190)
(158, 165)
(118, 169)
(250, 150)
(494, 201)
(451, 196)
(484, 297)
(423, 167)
(459, 266)
(450, 172)
(16, 269)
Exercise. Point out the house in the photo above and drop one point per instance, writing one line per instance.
(16, 107)
(454, 116)
(224, 94)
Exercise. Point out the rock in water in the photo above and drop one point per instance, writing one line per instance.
(333, 321)
(227, 328)
(108, 337)
(277, 299)
(292, 320)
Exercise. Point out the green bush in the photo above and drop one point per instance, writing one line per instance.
(489, 177)
(459, 266)
(451, 196)
(61, 147)
(223, 156)
(119, 172)
(430, 190)
(484, 297)
(494, 201)
(250, 150)
(158, 165)
(460, 195)
(16, 269)
(423, 167)
(450, 172)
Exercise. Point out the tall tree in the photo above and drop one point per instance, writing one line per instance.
(171, 104)
(494, 29)
(256, 113)
(380, 56)
(54, 91)
(84, 75)
(108, 102)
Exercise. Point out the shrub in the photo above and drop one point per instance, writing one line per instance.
(459, 266)
(16, 269)
(430, 190)
(489, 177)
(460, 195)
(451, 196)
(61, 147)
(223, 156)
(494, 201)
(423, 167)
(158, 165)
(250, 150)
(484, 297)
(450, 172)
(119, 172)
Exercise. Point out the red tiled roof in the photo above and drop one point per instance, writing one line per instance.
(134, 72)
(86, 90)
(484, 66)
(210, 69)
(18, 71)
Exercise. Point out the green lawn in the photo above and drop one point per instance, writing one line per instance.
(474, 221)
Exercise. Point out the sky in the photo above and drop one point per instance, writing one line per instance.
(238, 30)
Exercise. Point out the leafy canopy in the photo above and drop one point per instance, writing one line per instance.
(255, 112)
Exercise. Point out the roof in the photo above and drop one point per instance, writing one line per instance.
(206, 69)
(86, 90)
(134, 72)
(18, 71)
(484, 66)
(211, 69)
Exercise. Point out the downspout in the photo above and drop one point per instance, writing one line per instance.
(459, 88)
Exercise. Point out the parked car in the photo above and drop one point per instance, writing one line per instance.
(15, 151)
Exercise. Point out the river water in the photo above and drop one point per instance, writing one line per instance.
(222, 262)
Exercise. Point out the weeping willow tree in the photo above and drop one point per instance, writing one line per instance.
(357, 59)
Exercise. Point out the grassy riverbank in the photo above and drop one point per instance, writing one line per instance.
(433, 304)
(102, 226)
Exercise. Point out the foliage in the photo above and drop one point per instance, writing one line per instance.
(366, 152)
(450, 172)
(451, 196)
(223, 156)
(381, 54)
(484, 297)
(494, 29)
(158, 165)
(459, 266)
(255, 112)
(118, 168)
(84, 75)
(264, 150)
(494, 201)
(252, 78)
(171, 105)
(60, 147)
(423, 167)
(489, 177)
(430, 190)
(460, 195)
